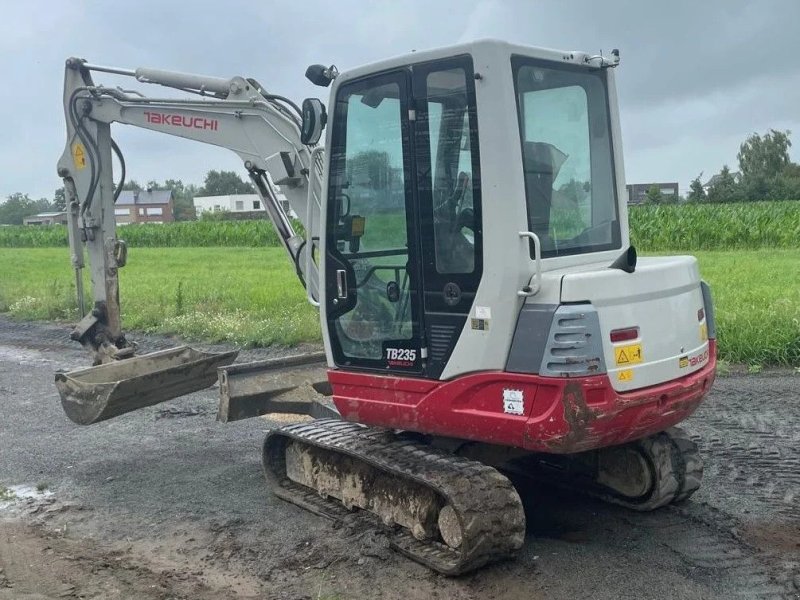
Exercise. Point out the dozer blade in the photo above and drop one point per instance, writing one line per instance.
(293, 384)
(99, 393)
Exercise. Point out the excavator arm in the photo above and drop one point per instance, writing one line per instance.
(274, 137)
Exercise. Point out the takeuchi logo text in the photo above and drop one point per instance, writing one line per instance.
(157, 118)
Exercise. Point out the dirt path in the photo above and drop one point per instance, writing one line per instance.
(166, 503)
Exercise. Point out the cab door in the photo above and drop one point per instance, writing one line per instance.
(373, 293)
(449, 203)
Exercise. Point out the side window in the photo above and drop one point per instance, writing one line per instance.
(562, 143)
(450, 127)
(567, 157)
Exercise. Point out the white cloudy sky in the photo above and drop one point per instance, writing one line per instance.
(697, 76)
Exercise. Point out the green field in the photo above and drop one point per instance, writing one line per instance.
(251, 296)
(243, 295)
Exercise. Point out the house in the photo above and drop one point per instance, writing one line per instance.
(144, 206)
(228, 203)
(637, 192)
(47, 218)
(737, 178)
(237, 203)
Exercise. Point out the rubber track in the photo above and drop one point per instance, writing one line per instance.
(676, 465)
(491, 513)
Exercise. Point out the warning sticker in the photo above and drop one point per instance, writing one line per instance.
(625, 375)
(683, 362)
(79, 155)
(703, 332)
(628, 355)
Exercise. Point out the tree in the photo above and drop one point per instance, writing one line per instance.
(183, 199)
(723, 187)
(222, 183)
(18, 206)
(132, 185)
(60, 199)
(653, 195)
(696, 191)
(764, 157)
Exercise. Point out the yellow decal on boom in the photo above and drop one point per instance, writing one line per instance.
(628, 355)
(703, 332)
(79, 155)
(625, 375)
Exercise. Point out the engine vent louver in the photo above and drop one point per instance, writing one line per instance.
(574, 345)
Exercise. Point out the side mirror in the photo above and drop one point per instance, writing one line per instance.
(314, 120)
(321, 75)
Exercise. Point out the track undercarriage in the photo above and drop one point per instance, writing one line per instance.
(456, 513)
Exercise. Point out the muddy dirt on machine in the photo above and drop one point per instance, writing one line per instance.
(447, 512)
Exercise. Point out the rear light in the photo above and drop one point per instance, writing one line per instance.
(623, 335)
(701, 314)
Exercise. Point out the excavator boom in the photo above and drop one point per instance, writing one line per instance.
(266, 131)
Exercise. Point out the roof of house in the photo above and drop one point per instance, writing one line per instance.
(44, 215)
(128, 197)
(227, 197)
(715, 178)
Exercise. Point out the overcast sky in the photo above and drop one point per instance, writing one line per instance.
(696, 76)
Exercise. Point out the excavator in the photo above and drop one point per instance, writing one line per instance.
(463, 231)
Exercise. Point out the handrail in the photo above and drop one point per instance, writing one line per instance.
(532, 290)
(313, 180)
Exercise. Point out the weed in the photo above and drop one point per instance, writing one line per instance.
(754, 369)
(6, 494)
(723, 367)
(42, 487)
(179, 300)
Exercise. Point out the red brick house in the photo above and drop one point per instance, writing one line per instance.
(144, 206)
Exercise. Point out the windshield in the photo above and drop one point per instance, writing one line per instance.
(567, 158)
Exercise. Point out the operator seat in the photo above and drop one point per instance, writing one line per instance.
(541, 163)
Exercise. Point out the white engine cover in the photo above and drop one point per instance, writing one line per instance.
(663, 298)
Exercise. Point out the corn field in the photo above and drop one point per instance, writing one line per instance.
(685, 227)
(740, 226)
(249, 234)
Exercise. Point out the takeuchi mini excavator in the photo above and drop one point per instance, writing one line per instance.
(484, 315)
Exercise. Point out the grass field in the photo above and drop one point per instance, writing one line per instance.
(251, 296)
(243, 295)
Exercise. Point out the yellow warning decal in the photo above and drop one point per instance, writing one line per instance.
(628, 355)
(703, 332)
(625, 375)
(683, 362)
(79, 155)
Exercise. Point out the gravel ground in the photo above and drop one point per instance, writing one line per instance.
(167, 503)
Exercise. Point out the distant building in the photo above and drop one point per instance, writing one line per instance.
(47, 218)
(637, 192)
(144, 206)
(228, 203)
(737, 178)
(237, 203)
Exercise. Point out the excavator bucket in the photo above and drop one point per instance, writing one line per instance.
(99, 393)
